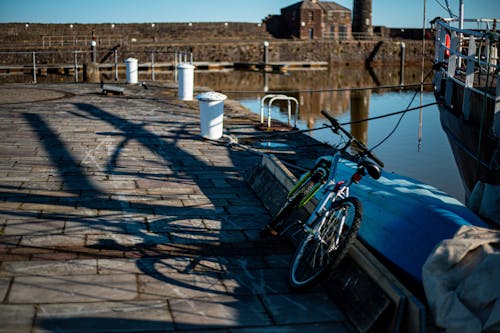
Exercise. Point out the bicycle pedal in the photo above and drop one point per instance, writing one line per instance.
(268, 232)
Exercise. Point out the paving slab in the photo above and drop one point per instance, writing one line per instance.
(138, 316)
(16, 318)
(4, 286)
(217, 312)
(180, 285)
(69, 289)
(52, 240)
(302, 308)
(33, 226)
(49, 268)
(257, 281)
(148, 266)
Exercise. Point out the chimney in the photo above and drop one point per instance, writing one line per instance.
(362, 17)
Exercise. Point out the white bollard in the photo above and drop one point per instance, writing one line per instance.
(131, 70)
(186, 81)
(211, 114)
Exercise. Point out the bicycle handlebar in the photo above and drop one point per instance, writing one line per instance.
(365, 151)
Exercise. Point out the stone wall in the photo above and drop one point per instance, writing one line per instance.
(344, 53)
(40, 35)
(209, 42)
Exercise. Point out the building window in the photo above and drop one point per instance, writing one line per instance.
(343, 32)
(311, 16)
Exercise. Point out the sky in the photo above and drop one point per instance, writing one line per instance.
(390, 13)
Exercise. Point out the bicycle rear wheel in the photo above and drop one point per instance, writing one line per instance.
(327, 243)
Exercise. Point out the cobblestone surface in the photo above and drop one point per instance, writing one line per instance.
(115, 215)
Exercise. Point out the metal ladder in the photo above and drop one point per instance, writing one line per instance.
(278, 97)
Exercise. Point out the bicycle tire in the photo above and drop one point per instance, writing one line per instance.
(293, 201)
(313, 258)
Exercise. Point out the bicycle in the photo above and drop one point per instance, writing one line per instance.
(332, 227)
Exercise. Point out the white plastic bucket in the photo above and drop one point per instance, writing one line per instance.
(211, 114)
(131, 70)
(186, 82)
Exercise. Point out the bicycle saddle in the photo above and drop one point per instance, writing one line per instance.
(373, 169)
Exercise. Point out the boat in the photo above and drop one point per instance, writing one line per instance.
(466, 86)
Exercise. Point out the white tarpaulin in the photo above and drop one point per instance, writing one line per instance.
(462, 281)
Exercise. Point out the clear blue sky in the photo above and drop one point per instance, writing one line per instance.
(391, 13)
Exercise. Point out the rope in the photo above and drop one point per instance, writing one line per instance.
(322, 90)
(261, 137)
(403, 114)
(391, 114)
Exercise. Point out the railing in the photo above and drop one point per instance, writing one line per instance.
(470, 52)
(38, 61)
(278, 97)
(84, 41)
(352, 35)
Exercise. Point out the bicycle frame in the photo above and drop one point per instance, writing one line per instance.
(332, 191)
(330, 188)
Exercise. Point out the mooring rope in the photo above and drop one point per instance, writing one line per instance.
(407, 86)
(264, 137)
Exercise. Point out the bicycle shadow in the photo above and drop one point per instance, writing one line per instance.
(205, 247)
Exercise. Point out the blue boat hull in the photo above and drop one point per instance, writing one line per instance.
(405, 219)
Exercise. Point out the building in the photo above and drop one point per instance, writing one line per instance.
(311, 19)
(362, 18)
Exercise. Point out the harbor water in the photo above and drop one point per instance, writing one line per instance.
(428, 160)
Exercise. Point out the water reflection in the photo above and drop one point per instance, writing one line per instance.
(360, 109)
(239, 83)
(315, 90)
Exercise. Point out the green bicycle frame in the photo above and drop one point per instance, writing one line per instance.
(304, 179)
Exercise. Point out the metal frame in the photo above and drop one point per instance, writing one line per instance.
(278, 97)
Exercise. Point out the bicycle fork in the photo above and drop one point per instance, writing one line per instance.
(340, 191)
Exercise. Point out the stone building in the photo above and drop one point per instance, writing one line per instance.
(362, 18)
(311, 19)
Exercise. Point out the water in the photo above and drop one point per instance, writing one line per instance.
(433, 164)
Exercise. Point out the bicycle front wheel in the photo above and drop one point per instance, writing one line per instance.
(323, 247)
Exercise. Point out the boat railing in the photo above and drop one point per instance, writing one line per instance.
(469, 58)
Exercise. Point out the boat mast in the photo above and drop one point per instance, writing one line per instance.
(420, 116)
(461, 15)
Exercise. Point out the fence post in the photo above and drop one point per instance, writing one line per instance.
(116, 64)
(153, 65)
(34, 67)
(266, 52)
(175, 66)
(76, 65)
(402, 64)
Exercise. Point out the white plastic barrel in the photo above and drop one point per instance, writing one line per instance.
(131, 70)
(186, 81)
(211, 114)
